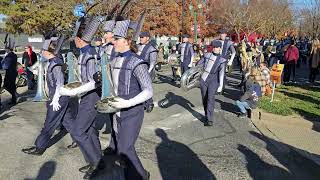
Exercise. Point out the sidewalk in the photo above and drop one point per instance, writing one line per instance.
(301, 136)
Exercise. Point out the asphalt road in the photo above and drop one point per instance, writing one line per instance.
(173, 143)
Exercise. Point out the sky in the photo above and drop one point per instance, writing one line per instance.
(299, 4)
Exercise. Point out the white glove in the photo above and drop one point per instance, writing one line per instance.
(190, 65)
(229, 63)
(120, 103)
(55, 101)
(66, 92)
(55, 105)
(219, 89)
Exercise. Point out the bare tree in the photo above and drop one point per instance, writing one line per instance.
(269, 17)
(309, 20)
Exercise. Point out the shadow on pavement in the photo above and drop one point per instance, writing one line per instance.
(166, 79)
(20, 98)
(178, 161)
(46, 171)
(172, 99)
(285, 159)
(260, 170)
(111, 170)
(228, 107)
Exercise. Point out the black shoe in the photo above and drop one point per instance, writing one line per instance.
(92, 170)
(149, 108)
(109, 151)
(28, 149)
(242, 115)
(121, 163)
(85, 168)
(208, 123)
(147, 176)
(72, 145)
(12, 103)
(33, 151)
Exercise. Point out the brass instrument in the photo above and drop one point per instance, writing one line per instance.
(41, 94)
(191, 78)
(108, 94)
(73, 72)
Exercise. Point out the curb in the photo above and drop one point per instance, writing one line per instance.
(312, 161)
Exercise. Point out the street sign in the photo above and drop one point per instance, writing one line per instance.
(275, 75)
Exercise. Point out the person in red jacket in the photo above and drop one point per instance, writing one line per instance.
(291, 58)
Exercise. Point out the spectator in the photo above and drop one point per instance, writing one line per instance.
(198, 53)
(29, 58)
(291, 58)
(160, 58)
(174, 63)
(250, 98)
(265, 72)
(315, 61)
(9, 63)
(259, 78)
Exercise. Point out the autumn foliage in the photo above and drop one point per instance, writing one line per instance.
(164, 17)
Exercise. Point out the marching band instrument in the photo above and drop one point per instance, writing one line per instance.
(108, 94)
(73, 74)
(41, 93)
(191, 78)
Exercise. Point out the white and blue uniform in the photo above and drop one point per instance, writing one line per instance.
(211, 79)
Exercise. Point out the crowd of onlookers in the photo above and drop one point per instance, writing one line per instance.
(12, 68)
(256, 59)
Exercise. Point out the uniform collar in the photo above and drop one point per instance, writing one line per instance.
(85, 49)
(215, 54)
(124, 54)
(56, 60)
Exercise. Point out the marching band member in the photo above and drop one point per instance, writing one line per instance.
(212, 79)
(59, 108)
(108, 38)
(187, 54)
(133, 86)
(108, 49)
(83, 131)
(228, 52)
(148, 53)
(9, 63)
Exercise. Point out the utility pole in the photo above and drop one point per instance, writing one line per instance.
(182, 18)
